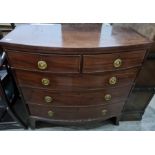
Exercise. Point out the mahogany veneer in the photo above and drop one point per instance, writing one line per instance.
(77, 114)
(56, 63)
(75, 81)
(63, 98)
(78, 73)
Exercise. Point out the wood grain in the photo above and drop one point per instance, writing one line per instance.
(60, 38)
(75, 113)
(104, 62)
(72, 82)
(82, 98)
(55, 63)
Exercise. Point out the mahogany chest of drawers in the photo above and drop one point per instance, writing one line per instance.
(74, 74)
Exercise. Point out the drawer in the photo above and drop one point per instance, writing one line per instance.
(111, 62)
(75, 113)
(42, 62)
(75, 81)
(82, 98)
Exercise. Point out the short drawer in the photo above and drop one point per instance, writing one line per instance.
(82, 98)
(111, 62)
(44, 62)
(75, 113)
(70, 82)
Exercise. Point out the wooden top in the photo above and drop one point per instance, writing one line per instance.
(77, 36)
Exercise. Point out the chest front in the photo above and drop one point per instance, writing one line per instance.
(72, 78)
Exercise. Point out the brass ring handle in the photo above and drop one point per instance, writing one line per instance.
(50, 113)
(104, 112)
(42, 65)
(45, 81)
(107, 97)
(113, 80)
(48, 99)
(117, 63)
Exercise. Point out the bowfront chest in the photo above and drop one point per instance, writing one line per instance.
(74, 73)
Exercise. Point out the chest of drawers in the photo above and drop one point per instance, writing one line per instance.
(74, 74)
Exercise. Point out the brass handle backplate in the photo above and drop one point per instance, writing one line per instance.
(107, 97)
(113, 80)
(45, 81)
(42, 65)
(104, 112)
(48, 99)
(117, 63)
(50, 113)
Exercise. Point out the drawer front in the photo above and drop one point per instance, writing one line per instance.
(76, 81)
(83, 98)
(75, 113)
(47, 63)
(111, 62)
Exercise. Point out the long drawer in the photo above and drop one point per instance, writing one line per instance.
(44, 62)
(75, 113)
(82, 98)
(70, 82)
(111, 62)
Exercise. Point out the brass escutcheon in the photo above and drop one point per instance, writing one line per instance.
(104, 112)
(107, 97)
(113, 80)
(50, 113)
(42, 65)
(48, 99)
(45, 81)
(117, 63)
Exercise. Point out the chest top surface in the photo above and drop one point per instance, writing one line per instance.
(73, 36)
